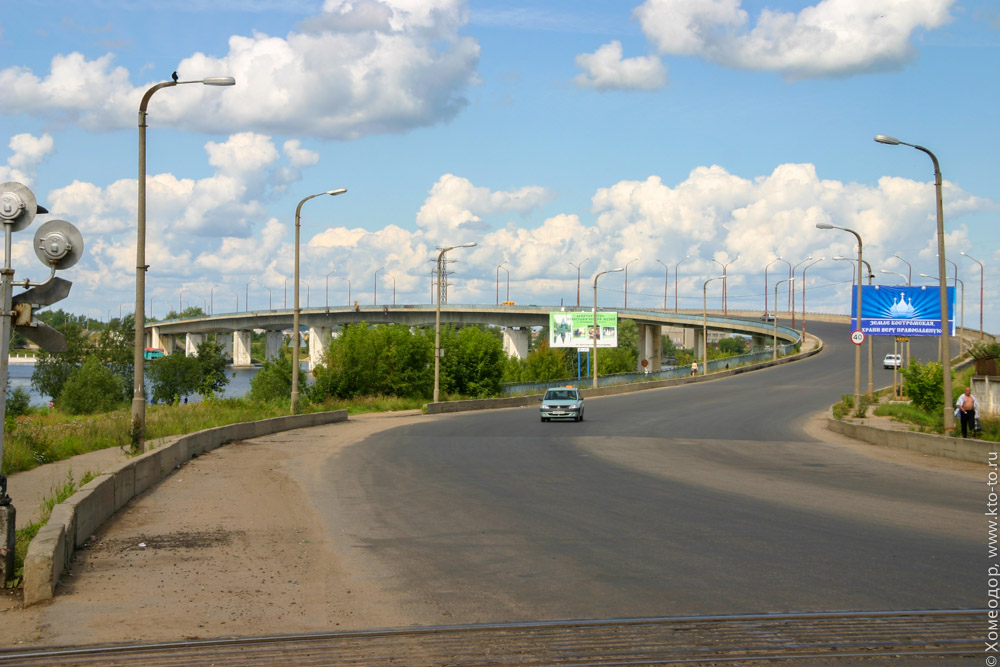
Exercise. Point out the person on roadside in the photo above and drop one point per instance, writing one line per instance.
(694, 368)
(967, 408)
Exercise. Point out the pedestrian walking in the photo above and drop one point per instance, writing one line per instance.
(967, 409)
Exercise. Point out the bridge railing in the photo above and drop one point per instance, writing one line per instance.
(673, 372)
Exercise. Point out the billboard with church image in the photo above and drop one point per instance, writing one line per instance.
(902, 310)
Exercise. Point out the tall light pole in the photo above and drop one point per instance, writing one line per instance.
(982, 273)
(246, 295)
(375, 294)
(766, 267)
(139, 358)
(393, 288)
(595, 331)
(958, 281)
(328, 290)
(677, 279)
(704, 323)
(501, 266)
(897, 273)
(909, 269)
(626, 280)
(437, 319)
(949, 417)
(295, 289)
(180, 307)
(666, 279)
(804, 296)
(211, 301)
(857, 348)
(577, 267)
(774, 345)
(791, 274)
(725, 267)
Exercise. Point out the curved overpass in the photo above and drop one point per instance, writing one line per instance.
(516, 321)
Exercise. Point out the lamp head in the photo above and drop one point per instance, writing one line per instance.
(219, 81)
(891, 141)
(824, 225)
(338, 191)
(470, 244)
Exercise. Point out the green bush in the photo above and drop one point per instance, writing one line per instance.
(91, 388)
(924, 384)
(273, 382)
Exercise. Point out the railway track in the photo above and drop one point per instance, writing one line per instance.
(802, 638)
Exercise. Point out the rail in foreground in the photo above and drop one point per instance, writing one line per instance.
(880, 636)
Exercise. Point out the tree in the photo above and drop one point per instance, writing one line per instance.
(385, 360)
(732, 346)
(114, 348)
(210, 369)
(273, 382)
(91, 388)
(173, 376)
(925, 385)
(545, 363)
(474, 362)
(52, 369)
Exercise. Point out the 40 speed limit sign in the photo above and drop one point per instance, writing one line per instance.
(857, 337)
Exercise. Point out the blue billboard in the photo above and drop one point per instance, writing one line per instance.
(902, 311)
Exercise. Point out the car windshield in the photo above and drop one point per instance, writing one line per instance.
(560, 395)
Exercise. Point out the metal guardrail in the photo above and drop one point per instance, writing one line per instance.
(674, 372)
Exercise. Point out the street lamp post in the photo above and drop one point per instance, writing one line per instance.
(704, 323)
(897, 273)
(139, 386)
(791, 295)
(804, 296)
(666, 279)
(949, 417)
(437, 319)
(246, 295)
(393, 288)
(211, 301)
(677, 279)
(766, 267)
(501, 266)
(595, 331)
(909, 269)
(328, 291)
(725, 267)
(577, 266)
(982, 273)
(857, 348)
(295, 288)
(180, 306)
(375, 294)
(626, 280)
(774, 345)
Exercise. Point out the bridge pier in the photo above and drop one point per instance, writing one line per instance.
(649, 348)
(319, 338)
(191, 343)
(241, 348)
(226, 343)
(272, 345)
(760, 342)
(515, 341)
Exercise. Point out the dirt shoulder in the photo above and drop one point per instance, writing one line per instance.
(227, 545)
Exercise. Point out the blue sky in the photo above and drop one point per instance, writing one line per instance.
(547, 132)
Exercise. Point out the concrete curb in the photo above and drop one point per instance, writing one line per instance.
(531, 399)
(962, 449)
(75, 520)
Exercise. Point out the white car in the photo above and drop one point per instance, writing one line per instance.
(892, 361)
(562, 403)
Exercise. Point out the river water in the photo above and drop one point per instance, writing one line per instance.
(239, 382)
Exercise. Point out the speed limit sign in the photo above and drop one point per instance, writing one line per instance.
(857, 337)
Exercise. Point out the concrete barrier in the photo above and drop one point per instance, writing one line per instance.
(814, 347)
(73, 521)
(962, 449)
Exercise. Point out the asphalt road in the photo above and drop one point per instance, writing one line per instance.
(703, 499)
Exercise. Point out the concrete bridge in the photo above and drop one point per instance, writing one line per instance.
(515, 321)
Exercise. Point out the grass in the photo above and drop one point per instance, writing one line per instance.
(24, 535)
(48, 435)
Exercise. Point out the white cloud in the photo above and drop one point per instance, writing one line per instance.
(360, 68)
(29, 152)
(605, 69)
(299, 156)
(830, 38)
(453, 209)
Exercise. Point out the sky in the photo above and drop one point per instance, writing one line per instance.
(671, 136)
